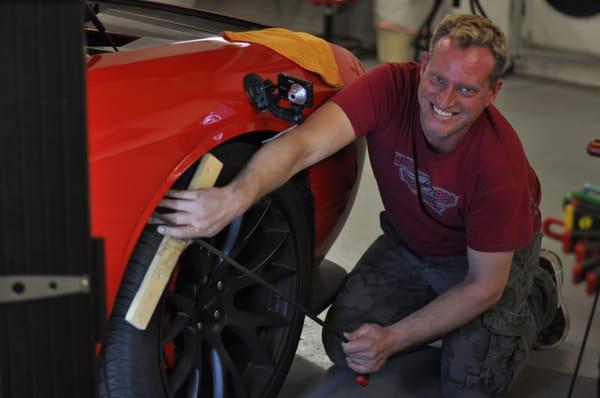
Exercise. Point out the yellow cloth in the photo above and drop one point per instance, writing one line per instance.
(306, 50)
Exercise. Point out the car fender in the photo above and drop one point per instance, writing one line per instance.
(136, 153)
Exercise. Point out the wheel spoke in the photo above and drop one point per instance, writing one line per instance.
(255, 217)
(225, 374)
(185, 365)
(180, 303)
(244, 319)
(264, 253)
(196, 262)
(246, 229)
(238, 285)
(271, 273)
(194, 384)
(277, 271)
(176, 326)
(260, 355)
(218, 374)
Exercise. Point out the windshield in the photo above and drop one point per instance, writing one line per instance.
(138, 24)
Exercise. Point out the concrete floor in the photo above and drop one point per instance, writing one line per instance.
(555, 122)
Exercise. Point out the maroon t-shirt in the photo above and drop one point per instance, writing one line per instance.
(484, 194)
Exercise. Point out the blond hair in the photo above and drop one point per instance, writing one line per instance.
(472, 31)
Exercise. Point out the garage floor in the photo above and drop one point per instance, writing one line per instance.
(555, 122)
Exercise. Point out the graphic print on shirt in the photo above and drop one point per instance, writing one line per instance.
(438, 199)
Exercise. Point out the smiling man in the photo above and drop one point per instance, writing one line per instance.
(459, 257)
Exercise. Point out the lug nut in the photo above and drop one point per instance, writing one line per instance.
(217, 314)
(199, 326)
(220, 286)
(205, 280)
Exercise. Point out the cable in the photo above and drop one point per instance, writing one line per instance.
(481, 9)
(477, 9)
(585, 336)
(472, 6)
(420, 195)
(421, 41)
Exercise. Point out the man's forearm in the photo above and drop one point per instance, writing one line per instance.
(322, 134)
(450, 310)
(273, 165)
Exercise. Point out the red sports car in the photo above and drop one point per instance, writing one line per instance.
(174, 91)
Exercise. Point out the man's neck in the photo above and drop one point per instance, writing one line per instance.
(446, 144)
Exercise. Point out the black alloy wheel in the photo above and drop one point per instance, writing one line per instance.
(216, 331)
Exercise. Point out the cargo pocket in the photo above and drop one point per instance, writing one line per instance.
(507, 351)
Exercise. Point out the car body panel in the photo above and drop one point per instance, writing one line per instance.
(153, 112)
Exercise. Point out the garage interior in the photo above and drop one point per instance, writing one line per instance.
(551, 96)
(551, 100)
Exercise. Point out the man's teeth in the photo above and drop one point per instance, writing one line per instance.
(441, 112)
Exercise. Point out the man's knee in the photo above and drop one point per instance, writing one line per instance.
(341, 321)
(333, 348)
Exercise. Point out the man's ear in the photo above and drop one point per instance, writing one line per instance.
(494, 90)
(424, 61)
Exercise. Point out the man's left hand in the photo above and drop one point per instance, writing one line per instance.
(368, 348)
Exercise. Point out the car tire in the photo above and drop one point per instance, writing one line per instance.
(216, 332)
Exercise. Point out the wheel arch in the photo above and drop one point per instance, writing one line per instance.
(115, 273)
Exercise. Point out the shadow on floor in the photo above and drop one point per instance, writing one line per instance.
(417, 375)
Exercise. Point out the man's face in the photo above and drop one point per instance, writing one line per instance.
(454, 90)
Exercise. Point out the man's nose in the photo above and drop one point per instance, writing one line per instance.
(446, 97)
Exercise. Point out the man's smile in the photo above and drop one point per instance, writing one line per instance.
(439, 112)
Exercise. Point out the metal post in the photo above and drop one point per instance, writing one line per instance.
(47, 309)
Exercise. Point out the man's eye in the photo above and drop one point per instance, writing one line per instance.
(436, 79)
(466, 91)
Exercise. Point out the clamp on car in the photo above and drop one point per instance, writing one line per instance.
(297, 92)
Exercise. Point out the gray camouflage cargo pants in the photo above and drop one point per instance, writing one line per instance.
(479, 359)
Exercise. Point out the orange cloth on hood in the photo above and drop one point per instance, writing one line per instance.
(304, 49)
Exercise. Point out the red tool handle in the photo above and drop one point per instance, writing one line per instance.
(362, 380)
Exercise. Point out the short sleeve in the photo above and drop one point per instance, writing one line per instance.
(501, 212)
(372, 100)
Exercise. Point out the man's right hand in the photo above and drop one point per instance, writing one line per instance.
(198, 213)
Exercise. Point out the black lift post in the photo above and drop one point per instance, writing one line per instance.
(49, 302)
